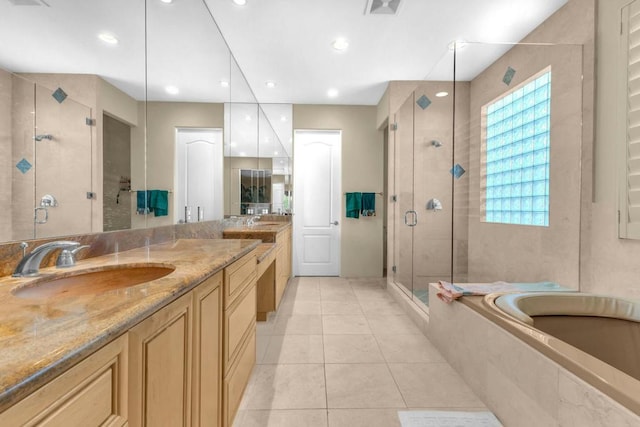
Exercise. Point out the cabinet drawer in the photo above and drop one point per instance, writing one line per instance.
(240, 320)
(92, 393)
(237, 276)
(236, 382)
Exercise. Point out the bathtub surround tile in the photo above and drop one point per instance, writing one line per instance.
(352, 349)
(340, 324)
(581, 405)
(408, 349)
(282, 418)
(505, 397)
(539, 381)
(433, 385)
(364, 418)
(292, 349)
(361, 386)
(287, 387)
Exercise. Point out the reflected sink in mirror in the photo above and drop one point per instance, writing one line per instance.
(91, 282)
(264, 224)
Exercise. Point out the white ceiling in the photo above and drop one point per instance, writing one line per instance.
(286, 41)
(289, 42)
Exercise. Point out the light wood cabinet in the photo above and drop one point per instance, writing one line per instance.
(160, 367)
(206, 394)
(239, 354)
(92, 393)
(283, 264)
(187, 364)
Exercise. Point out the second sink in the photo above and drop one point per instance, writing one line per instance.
(92, 282)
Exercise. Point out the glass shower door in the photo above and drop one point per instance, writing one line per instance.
(405, 217)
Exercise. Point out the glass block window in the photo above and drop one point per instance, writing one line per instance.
(516, 154)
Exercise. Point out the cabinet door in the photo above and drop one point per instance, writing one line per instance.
(160, 367)
(92, 393)
(207, 347)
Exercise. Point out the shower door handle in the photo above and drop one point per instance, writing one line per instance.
(415, 218)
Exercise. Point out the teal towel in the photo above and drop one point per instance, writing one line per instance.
(159, 202)
(368, 204)
(354, 205)
(142, 202)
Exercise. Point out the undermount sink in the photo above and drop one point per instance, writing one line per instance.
(91, 282)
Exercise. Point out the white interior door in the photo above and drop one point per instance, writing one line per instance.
(199, 170)
(316, 227)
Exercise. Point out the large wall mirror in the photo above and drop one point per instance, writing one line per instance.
(117, 115)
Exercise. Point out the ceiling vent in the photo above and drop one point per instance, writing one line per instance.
(29, 3)
(382, 7)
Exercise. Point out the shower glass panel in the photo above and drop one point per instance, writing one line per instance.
(63, 159)
(423, 150)
(519, 139)
(403, 214)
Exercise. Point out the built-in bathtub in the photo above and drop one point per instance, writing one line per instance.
(545, 359)
(596, 337)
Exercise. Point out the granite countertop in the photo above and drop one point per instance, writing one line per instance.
(42, 337)
(263, 251)
(265, 231)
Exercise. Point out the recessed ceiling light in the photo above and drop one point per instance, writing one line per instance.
(332, 93)
(108, 38)
(224, 83)
(240, 2)
(166, 1)
(275, 153)
(282, 162)
(270, 84)
(242, 153)
(340, 44)
(442, 94)
(283, 118)
(172, 90)
(247, 118)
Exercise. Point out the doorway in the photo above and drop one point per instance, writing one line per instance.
(317, 188)
(198, 175)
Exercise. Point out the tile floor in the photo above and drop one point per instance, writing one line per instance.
(340, 352)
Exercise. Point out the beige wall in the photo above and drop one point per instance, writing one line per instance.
(362, 170)
(525, 253)
(6, 146)
(613, 267)
(116, 162)
(529, 253)
(162, 120)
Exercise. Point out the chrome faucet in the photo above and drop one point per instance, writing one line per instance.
(30, 263)
(252, 220)
(67, 257)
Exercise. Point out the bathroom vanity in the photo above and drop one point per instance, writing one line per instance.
(177, 350)
(274, 260)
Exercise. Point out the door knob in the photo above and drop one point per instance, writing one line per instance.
(335, 223)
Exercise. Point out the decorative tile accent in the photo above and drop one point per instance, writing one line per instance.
(23, 166)
(457, 171)
(423, 102)
(59, 95)
(508, 76)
